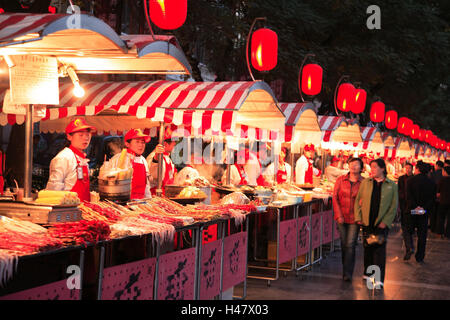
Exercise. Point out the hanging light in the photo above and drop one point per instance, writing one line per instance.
(415, 131)
(359, 104)
(377, 111)
(403, 126)
(448, 147)
(421, 136)
(168, 14)
(391, 119)
(264, 49)
(312, 75)
(345, 97)
(78, 91)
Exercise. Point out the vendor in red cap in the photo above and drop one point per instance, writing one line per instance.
(135, 141)
(283, 170)
(69, 170)
(169, 170)
(332, 172)
(304, 170)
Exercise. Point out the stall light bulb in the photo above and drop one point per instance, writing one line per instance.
(78, 91)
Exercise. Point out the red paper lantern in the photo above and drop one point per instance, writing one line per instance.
(345, 97)
(442, 145)
(391, 119)
(312, 75)
(264, 49)
(415, 131)
(360, 101)
(377, 111)
(421, 136)
(168, 14)
(448, 147)
(404, 126)
(428, 135)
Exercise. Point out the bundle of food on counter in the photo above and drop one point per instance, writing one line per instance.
(13, 225)
(8, 265)
(155, 213)
(23, 243)
(290, 188)
(235, 198)
(54, 198)
(172, 208)
(110, 171)
(95, 197)
(80, 232)
(196, 182)
(247, 189)
(191, 192)
(99, 211)
(305, 186)
(135, 225)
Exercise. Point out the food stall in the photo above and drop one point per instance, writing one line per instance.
(89, 47)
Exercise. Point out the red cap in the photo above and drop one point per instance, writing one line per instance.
(309, 147)
(363, 155)
(136, 134)
(334, 159)
(78, 124)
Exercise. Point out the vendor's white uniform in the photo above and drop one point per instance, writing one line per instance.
(187, 173)
(332, 173)
(301, 168)
(236, 178)
(63, 170)
(168, 170)
(283, 174)
(130, 160)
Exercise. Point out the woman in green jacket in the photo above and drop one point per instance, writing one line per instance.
(375, 209)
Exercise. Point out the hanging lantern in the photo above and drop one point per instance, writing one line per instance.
(448, 147)
(421, 136)
(428, 134)
(345, 97)
(312, 75)
(415, 131)
(377, 111)
(403, 126)
(168, 14)
(391, 119)
(442, 145)
(360, 101)
(264, 49)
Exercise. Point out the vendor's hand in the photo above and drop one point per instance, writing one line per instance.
(340, 220)
(159, 149)
(382, 225)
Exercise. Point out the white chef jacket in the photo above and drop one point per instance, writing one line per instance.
(129, 164)
(252, 169)
(332, 173)
(270, 171)
(154, 168)
(63, 170)
(300, 169)
(235, 178)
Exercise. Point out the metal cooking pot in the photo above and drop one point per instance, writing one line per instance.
(114, 189)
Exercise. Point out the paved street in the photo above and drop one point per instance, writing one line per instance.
(404, 280)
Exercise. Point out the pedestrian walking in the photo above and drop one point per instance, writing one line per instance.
(375, 208)
(404, 213)
(344, 194)
(443, 194)
(421, 194)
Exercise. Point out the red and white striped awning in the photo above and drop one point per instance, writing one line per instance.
(339, 129)
(372, 140)
(301, 118)
(205, 106)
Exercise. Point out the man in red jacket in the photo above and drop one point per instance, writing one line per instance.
(345, 190)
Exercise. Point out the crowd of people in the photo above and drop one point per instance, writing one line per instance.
(420, 199)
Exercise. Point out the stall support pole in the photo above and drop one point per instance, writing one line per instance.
(292, 168)
(228, 166)
(160, 161)
(28, 153)
(81, 272)
(100, 272)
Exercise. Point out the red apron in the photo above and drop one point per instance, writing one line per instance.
(309, 173)
(242, 175)
(169, 173)
(282, 175)
(139, 180)
(81, 187)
